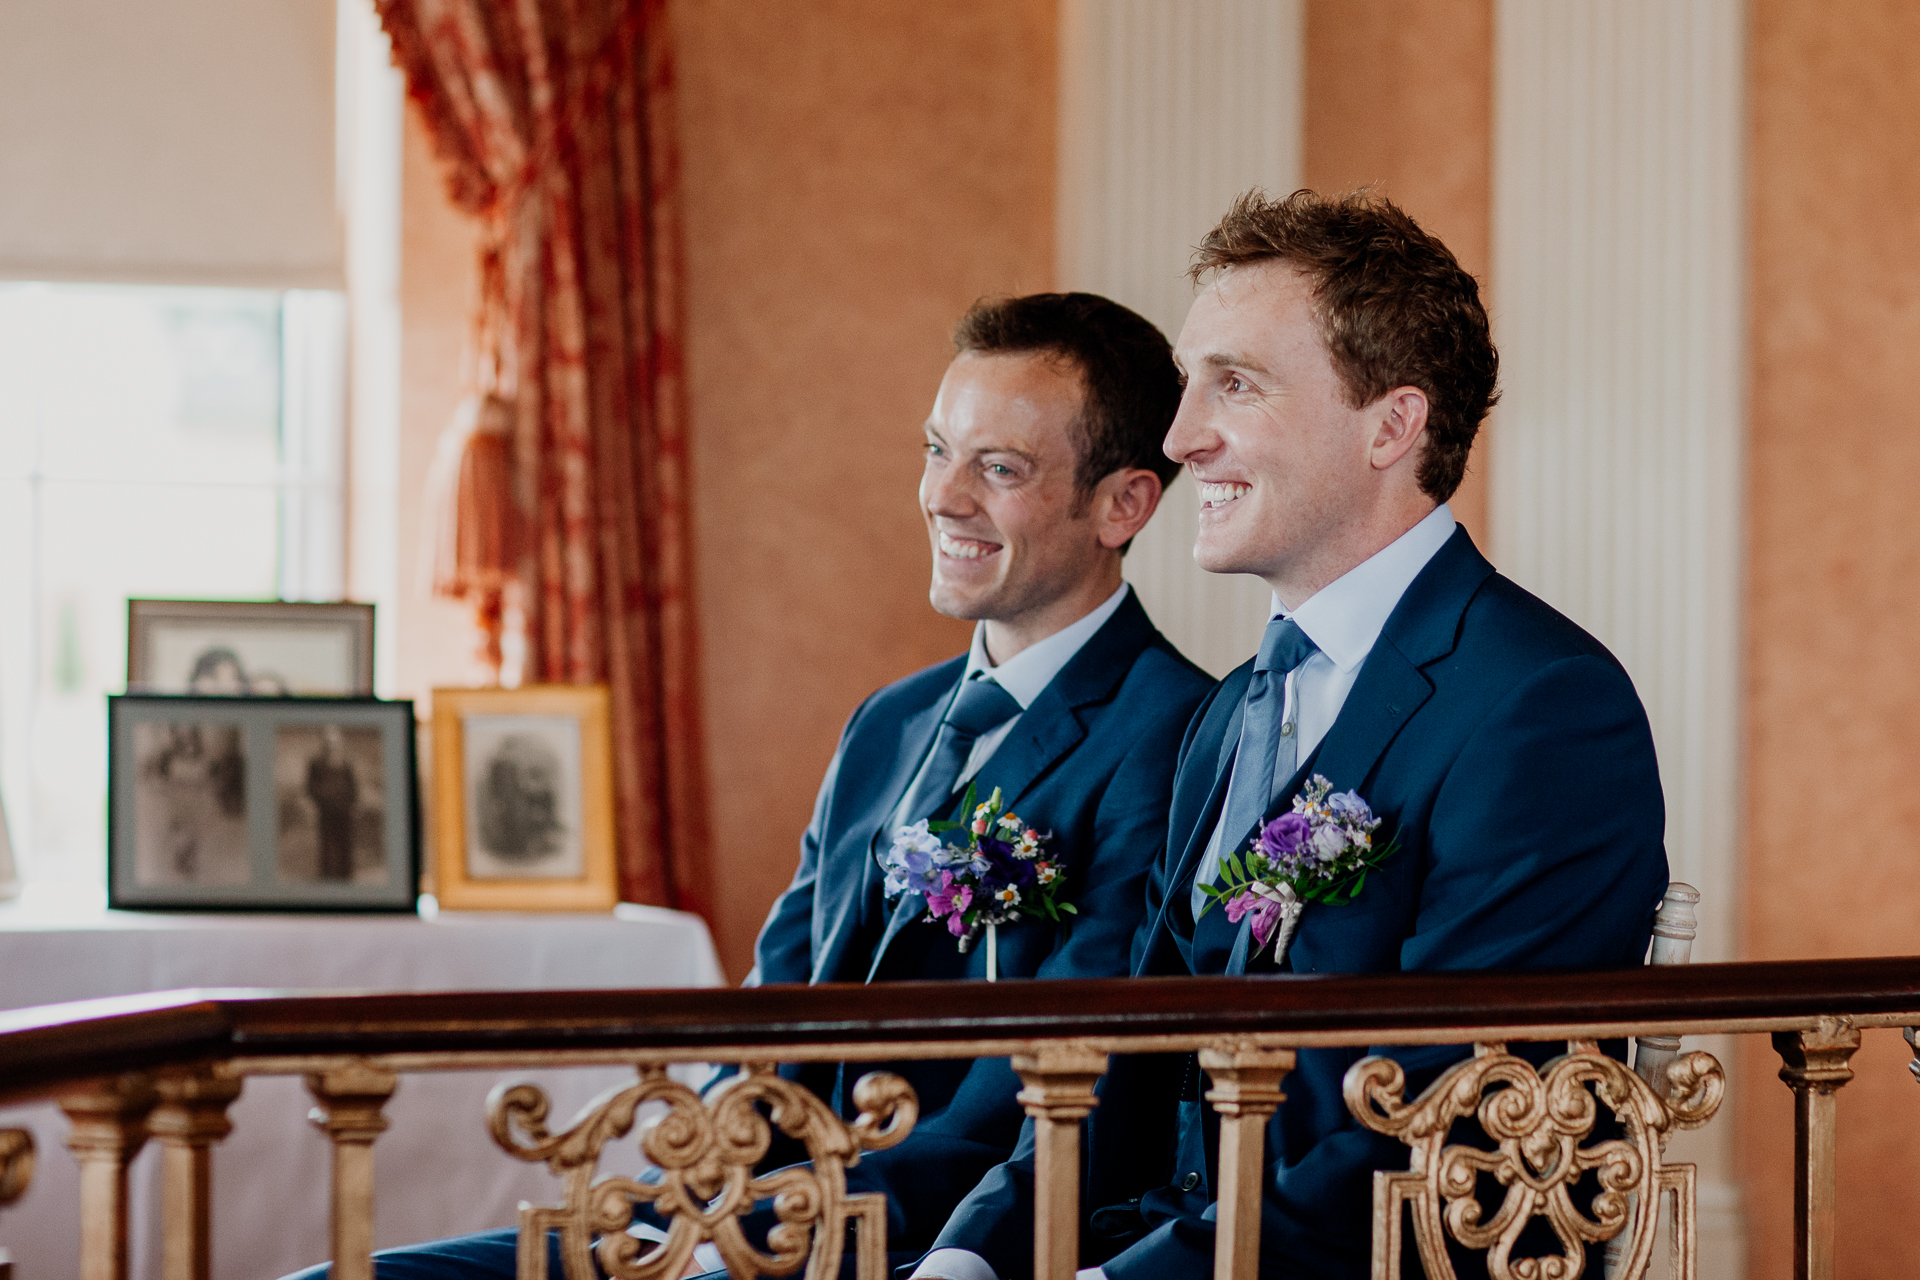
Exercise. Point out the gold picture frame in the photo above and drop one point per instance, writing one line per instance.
(523, 799)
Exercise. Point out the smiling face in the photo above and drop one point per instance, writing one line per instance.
(1015, 544)
(1296, 485)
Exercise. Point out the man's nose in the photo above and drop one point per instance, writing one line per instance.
(947, 491)
(1189, 435)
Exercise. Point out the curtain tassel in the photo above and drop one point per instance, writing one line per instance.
(470, 506)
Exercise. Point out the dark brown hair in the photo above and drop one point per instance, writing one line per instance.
(1129, 382)
(1396, 308)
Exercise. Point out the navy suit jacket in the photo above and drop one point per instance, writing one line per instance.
(1092, 760)
(1508, 752)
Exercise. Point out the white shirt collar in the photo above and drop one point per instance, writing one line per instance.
(1345, 617)
(1032, 669)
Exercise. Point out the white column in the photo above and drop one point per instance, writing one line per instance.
(1170, 108)
(372, 96)
(1616, 467)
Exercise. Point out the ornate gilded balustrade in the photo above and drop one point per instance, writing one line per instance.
(165, 1068)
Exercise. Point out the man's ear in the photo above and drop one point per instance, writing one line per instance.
(1123, 502)
(1400, 419)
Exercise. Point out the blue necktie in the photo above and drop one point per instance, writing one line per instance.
(980, 705)
(1283, 647)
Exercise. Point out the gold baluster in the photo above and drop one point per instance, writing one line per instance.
(109, 1126)
(1059, 1095)
(1246, 1092)
(16, 1171)
(190, 1118)
(351, 1098)
(1815, 1064)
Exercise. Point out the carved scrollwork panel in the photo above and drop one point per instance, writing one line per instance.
(1539, 1123)
(704, 1151)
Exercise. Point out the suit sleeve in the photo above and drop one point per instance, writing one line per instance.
(1544, 851)
(784, 950)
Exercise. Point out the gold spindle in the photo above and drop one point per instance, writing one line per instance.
(1059, 1095)
(1246, 1093)
(109, 1126)
(351, 1098)
(1815, 1064)
(190, 1118)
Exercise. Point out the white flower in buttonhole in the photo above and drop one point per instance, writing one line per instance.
(913, 865)
(1330, 841)
(990, 869)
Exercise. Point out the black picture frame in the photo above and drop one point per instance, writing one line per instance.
(262, 804)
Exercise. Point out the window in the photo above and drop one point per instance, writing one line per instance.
(164, 442)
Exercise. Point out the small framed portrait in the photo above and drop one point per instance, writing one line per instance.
(219, 803)
(269, 648)
(523, 799)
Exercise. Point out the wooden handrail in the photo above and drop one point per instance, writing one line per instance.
(42, 1047)
(167, 1064)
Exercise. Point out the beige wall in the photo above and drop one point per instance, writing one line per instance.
(1400, 95)
(1833, 684)
(856, 173)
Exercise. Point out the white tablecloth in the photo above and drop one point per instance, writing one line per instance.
(438, 1172)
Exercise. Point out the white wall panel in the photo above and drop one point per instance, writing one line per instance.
(1170, 108)
(1616, 467)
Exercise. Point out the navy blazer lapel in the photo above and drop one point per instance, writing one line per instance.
(1390, 687)
(1048, 728)
(1422, 629)
(846, 895)
(1205, 751)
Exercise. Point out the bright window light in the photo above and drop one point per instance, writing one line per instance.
(161, 442)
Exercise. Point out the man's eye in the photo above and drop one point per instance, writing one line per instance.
(1234, 383)
(931, 450)
(999, 469)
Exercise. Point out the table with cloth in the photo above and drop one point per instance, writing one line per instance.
(437, 1171)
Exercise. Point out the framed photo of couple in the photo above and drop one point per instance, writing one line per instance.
(523, 799)
(222, 803)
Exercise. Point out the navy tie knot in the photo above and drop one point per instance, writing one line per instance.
(980, 705)
(1283, 647)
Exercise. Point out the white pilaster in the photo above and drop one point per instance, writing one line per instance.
(1616, 467)
(1170, 108)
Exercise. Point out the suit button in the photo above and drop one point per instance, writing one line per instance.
(1189, 1182)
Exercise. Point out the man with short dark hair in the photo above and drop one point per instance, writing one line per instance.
(1043, 460)
(1338, 365)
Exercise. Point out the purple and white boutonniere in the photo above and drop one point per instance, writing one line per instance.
(979, 874)
(1321, 851)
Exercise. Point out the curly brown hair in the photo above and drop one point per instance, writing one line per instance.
(1396, 308)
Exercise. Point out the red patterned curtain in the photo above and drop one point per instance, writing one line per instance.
(568, 475)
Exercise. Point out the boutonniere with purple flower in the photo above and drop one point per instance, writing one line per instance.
(977, 874)
(1320, 851)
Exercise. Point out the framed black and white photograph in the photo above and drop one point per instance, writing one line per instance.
(523, 799)
(275, 804)
(250, 647)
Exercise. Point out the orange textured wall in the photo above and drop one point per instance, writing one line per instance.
(856, 173)
(1400, 94)
(1833, 684)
